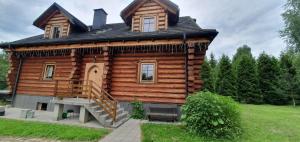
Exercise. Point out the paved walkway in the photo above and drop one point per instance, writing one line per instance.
(128, 132)
(46, 116)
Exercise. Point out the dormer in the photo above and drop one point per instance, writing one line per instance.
(150, 15)
(57, 23)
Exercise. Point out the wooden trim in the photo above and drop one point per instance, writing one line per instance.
(110, 44)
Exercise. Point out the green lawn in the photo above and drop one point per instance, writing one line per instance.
(260, 124)
(17, 128)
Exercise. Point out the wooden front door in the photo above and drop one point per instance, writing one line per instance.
(94, 72)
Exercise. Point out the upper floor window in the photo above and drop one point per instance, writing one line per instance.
(56, 32)
(149, 24)
(49, 71)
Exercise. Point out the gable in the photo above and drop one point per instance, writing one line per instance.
(58, 19)
(153, 9)
(55, 9)
(169, 7)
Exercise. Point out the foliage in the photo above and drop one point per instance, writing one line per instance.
(226, 83)
(206, 76)
(212, 115)
(244, 50)
(291, 18)
(261, 123)
(289, 82)
(3, 70)
(137, 110)
(17, 128)
(2, 102)
(247, 88)
(268, 80)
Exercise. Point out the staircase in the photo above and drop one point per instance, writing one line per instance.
(102, 105)
(103, 117)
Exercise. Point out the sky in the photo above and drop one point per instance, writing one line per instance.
(256, 23)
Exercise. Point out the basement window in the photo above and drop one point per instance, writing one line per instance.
(149, 24)
(147, 72)
(56, 32)
(49, 71)
(42, 106)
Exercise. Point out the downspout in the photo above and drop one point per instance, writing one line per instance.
(186, 66)
(16, 81)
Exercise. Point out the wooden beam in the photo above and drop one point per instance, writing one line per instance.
(110, 44)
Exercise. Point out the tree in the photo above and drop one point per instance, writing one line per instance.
(226, 84)
(213, 64)
(268, 80)
(289, 82)
(244, 50)
(291, 18)
(206, 76)
(3, 69)
(247, 88)
(212, 61)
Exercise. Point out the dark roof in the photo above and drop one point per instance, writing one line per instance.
(53, 8)
(172, 8)
(121, 32)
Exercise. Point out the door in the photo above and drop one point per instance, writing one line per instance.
(94, 73)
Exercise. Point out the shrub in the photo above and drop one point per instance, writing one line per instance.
(137, 110)
(212, 115)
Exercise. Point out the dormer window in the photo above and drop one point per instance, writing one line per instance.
(56, 32)
(149, 24)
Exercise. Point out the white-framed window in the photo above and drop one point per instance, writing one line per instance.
(49, 71)
(56, 32)
(147, 72)
(149, 24)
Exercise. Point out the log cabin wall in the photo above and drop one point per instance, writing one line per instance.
(12, 72)
(31, 77)
(169, 86)
(58, 19)
(150, 8)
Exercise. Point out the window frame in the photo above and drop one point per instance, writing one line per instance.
(45, 71)
(140, 72)
(52, 31)
(143, 23)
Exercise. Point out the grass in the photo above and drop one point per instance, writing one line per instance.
(16, 128)
(262, 123)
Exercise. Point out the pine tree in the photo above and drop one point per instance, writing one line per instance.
(206, 76)
(212, 61)
(226, 84)
(268, 80)
(213, 65)
(247, 88)
(289, 82)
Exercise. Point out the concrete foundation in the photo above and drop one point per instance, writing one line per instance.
(127, 106)
(31, 102)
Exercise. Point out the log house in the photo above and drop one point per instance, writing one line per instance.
(155, 56)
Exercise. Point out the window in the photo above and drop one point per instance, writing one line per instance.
(49, 72)
(147, 72)
(149, 24)
(56, 31)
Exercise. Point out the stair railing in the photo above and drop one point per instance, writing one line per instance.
(87, 89)
(104, 100)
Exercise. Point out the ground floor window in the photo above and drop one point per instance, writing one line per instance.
(49, 71)
(147, 72)
(42, 106)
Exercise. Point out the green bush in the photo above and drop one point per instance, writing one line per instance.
(137, 110)
(212, 115)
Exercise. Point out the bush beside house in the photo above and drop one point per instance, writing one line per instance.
(211, 115)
